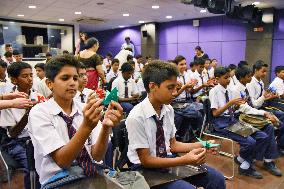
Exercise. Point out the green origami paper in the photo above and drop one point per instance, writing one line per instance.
(207, 144)
(112, 95)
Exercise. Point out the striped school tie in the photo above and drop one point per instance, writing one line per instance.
(160, 138)
(82, 98)
(230, 109)
(248, 98)
(83, 159)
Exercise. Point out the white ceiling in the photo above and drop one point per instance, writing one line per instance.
(111, 11)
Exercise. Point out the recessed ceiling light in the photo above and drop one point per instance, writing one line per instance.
(78, 12)
(121, 26)
(203, 11)
(125, 14)
(32, 7)
(61, 19)
(20, 15)
(12, 22)
(256, 3)
(61, 33)
(155, 6)
(52, 36)
(5, 28)
(169, 17)
(141, 22)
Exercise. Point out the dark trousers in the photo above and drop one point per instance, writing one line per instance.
(127, 107)
(257, 146)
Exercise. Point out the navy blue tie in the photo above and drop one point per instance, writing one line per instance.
(160, 138)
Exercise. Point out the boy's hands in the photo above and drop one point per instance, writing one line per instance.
(113, 115)
(237, 101)
(268, 95)
(195, 157)
(22, 103)
(11, 96)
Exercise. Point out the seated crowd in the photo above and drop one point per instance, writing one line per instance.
(62, 112)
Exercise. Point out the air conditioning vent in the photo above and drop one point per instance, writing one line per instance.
(89, 20)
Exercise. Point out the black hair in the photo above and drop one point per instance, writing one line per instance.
(3, 64)
(54, 66)
(198, 48)
(114, 61)
(192, 64)
(82, 66)
(232, 67)
(8, 54)
(127, 38)
(129, 57)
(109, 54)
(242, 72)
(208, 59)
(147, 57)
(278, 69)
(126, 67)
(258, 65)
(131, 62)
(48, 54)
(242, 63)
(178, 59)
(91, 42)
(65, 52)
(200, 61)
(14, 69)
(129, 49)
(213, 59)
(220, 71)
(158, 71)
(40, 65)
(8, 45)
(139, 56)
(16, 52)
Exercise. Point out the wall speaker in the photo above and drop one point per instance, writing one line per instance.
(195, 23)
(144, 33)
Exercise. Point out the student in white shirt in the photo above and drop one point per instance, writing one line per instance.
(122, 56)
(213, 66)
(127, 89)
(201, 85)
(43, 89)
(63, 130)
(8, 58)
(114, 71)
(155, 117)
(206, 68)
(15, 120)
(83, 92)
(136, 75)
(263, 142)
(278, 82)
(233, 80)
(107, 62)
(15, 100)
(140, 62)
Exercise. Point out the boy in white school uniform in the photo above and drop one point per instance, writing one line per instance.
(63, 130)
(233, 80)
(152, 132)
(114, 72)
(15, 120)
(213, 66)
(278, 82)
(83, 92)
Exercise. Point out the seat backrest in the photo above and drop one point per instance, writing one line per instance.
(30, 155)
(208, 124)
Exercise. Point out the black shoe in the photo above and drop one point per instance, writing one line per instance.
(271, 167)
(250, 172)
(236, 160)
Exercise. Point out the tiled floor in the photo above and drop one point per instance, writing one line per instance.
(222, 164)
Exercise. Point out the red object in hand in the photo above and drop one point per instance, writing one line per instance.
(40, 99)
(101, 93)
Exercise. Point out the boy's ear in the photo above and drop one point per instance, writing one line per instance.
(152, 86)
(49, 84)
(14, 81)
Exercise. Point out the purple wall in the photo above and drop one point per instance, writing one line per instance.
(278, 42)
(220, 38)
(111, 40)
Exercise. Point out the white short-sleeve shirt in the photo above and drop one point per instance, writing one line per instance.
(142, 128)
(111, 75)
(10, 117)
(120, 85)
(43, 88)
(186, 79)
(49, 132)
(200, 82)
(85, 93)
(254, 89)
(278, 84)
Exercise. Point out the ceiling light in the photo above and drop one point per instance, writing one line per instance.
(125, 14)
(78, 12)
(121, 26)
(169, 17)
(203, 11)
(12, 22)
(52, 36)
(141, 22)
(155, 6)
(5, 28)
(20, 15)
(256, 3)
(32, 6)
(61, 33)
(61, 19)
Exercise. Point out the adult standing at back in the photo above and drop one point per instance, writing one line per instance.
(81, 44)
(199, 54)
(128, 44)
(93, 63)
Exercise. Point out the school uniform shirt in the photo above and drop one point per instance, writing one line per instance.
(120, 85)
(85, 93)
(49, 132)
(36, 83)
(233, 81)
(244, 108)
(111, 75)
(278, 84)
(140, 86)
(10, 117)
(142, 128)
(136, 75)
(122, 56)
(218, 99)
(43, 88)
(187, 79)
(197, 76)
(106, 62)
(6, 86)
(211, 72)
(256, 95)
(140, 66)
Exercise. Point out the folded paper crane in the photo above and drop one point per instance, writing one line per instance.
(207, 144)
(112, 95)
